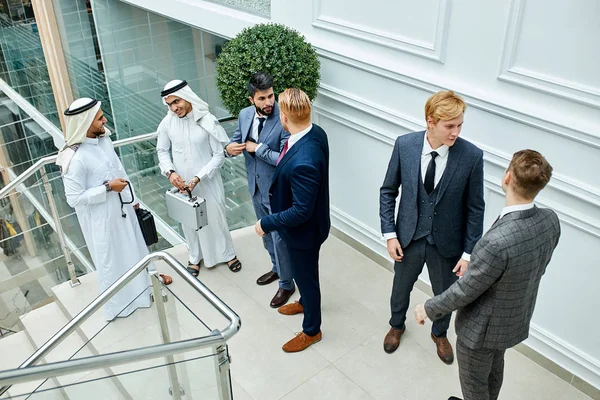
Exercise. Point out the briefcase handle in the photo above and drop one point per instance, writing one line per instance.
(126, 202)
(186, 189)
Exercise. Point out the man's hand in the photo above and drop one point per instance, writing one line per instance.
(177, 181)
(117, 185)
(235, 149)
(136, 206)
(251, 147)
(259, 230)
(193, 183)
(461, 267)
(394, 249)
(420, 314)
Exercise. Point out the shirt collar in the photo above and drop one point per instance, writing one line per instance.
(93, 141)
(256, 116)
(518, 207)
(297, 136)
(442, 150)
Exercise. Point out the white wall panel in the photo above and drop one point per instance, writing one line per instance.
(414, 27)
(528, 70)
(548, 46)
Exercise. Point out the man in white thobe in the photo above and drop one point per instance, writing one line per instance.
(196, 140)
(94, 177)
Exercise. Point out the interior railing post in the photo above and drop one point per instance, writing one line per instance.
(59, 231)
(222, 372)
(176, 391)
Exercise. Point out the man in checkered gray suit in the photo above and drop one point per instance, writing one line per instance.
(496, 296)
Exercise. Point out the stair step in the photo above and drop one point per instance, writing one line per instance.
(41, 325)
(15, 349)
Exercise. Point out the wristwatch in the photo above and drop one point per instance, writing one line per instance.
(107, 186)
(170, 172)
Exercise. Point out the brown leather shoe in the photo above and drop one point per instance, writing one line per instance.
(301, 341)
(444, 349)
(281, 297)
(267, 278)
(291, 309)
(392, 340)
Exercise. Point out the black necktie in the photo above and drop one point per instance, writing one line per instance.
(430, 174)
(261, 122)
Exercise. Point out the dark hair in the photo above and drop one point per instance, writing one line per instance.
(259, 81)
(531, 172)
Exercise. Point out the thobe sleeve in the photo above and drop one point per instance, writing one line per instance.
(75, 191)
(163, 147)
(218, 158)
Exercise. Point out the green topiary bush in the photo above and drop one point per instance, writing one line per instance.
(272, 48)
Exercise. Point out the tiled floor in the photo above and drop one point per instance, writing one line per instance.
(349, 363)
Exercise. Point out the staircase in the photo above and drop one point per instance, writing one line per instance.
(147, 379)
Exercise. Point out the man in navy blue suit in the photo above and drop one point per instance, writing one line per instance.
(300, 210)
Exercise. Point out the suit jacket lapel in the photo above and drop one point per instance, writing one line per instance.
(269, 124)
(290, 153)
(247, 126)
(414, 174)
(454, 156)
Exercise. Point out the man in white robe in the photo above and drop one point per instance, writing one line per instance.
(196, 140)
(94, 177)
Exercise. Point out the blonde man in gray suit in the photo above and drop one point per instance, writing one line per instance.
(496, 297)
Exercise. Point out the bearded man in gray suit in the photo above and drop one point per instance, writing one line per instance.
(496, 296)
(261, 137)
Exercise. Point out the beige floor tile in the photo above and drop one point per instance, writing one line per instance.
(409, 373)
(328, 384)
(259, 365)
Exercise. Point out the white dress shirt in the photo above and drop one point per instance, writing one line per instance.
(255, 122)
(440, 166)
(440, 161)
(518, 207)
(297, 136)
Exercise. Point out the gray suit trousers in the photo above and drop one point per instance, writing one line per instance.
(406, 273)
(481, 372)
(280, 259)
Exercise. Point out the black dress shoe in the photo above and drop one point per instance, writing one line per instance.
(267, 278)
(281, 297)
(454, 398)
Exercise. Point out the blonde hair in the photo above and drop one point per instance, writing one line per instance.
(295, 104)
(444, 105)
(531, 173)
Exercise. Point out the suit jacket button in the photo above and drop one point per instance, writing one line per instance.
(270, 194)
(438, 315)
(257, 176)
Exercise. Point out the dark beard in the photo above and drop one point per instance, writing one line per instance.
(261, 111)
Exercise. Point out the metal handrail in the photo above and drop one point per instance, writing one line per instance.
(31, 373)
(52, 159)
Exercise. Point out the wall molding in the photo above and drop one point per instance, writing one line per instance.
(563, 354)
(359, 231)
(565, 186)
(435, 51)
(512, 114)
(561, 183)
(537, 81)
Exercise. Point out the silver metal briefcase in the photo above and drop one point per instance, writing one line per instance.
(186, 209)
